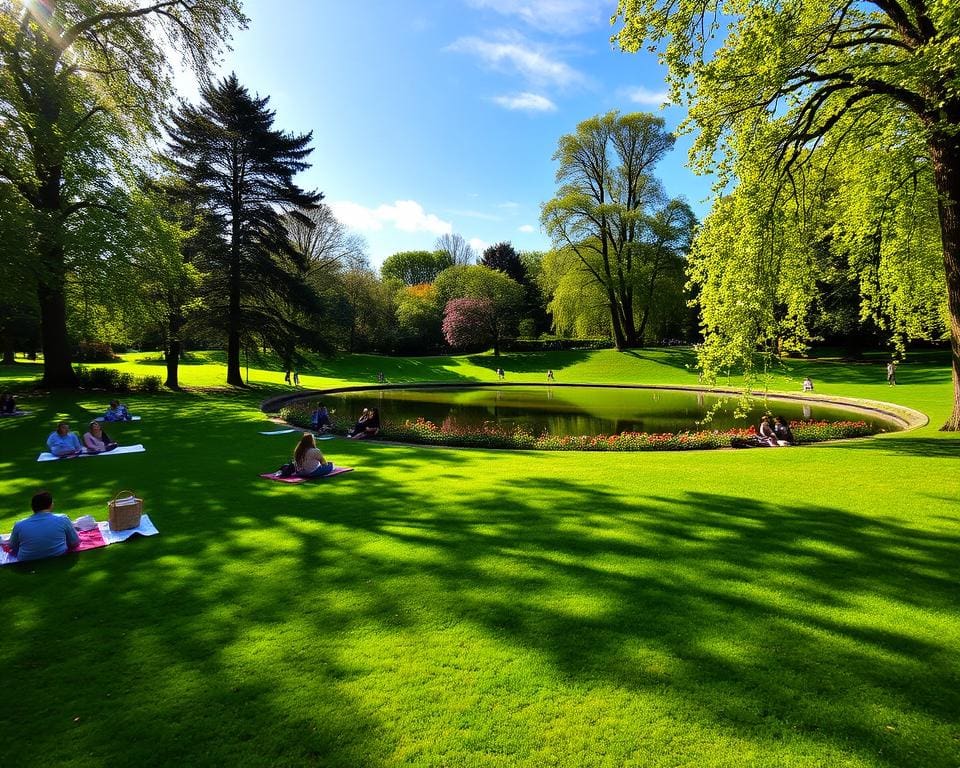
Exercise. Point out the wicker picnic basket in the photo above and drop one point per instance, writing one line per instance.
(125, 510)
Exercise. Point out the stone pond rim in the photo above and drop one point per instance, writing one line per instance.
(908, 418)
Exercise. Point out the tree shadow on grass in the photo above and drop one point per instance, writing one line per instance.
(530, 362)
(946, 447)
(274, 625)
(750, 614)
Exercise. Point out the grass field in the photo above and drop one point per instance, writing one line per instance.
(441, 607)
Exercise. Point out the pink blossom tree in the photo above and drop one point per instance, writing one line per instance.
(469, 322)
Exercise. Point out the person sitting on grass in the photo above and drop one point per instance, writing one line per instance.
(8, 405)
(308, 460)
(43, 534)
(783, 432)
(766, 434)
(320, 418)
(116, 412)
(368, 427)
(96, 440)
(63, 442)
(807, 385)
(361, 423)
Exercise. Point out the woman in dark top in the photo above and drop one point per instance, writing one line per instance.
(367, 427)
(783, 431)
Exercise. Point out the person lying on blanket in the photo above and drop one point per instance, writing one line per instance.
(116, 412)
(308, 460)
(43, 534)
(96, 440)
(63, 442)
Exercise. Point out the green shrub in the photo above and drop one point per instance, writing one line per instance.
(149, 384)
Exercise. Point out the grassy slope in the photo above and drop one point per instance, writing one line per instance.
(482, 608)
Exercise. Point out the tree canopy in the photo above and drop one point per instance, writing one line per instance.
(785, 82)
(82, 87)
(612, 215)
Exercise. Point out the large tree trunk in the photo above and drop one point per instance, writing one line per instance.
(234, 374)
(174, 349)
(618, 339)
(945, 153)
(9, 352)
(57, 368)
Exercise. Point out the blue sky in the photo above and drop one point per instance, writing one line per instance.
(433, 116)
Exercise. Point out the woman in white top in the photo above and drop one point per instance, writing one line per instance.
(308, 460)
(96, 440)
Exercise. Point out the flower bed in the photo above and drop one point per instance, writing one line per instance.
(490, 435)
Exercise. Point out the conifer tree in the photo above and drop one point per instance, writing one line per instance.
(241, 170)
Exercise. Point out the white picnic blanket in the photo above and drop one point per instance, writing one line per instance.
(138, 448)
(146, 528)
(16, 413)
(279, 432)
(118, 421)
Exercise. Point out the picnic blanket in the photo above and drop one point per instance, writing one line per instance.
(295, 480)
(118, 421)
(45, 456)
(279, 432)
(101, 536)
(16, 413)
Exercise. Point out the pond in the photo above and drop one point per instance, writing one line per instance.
(581, 410)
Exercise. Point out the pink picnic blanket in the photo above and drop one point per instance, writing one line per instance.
(294, 480)
(101, 536)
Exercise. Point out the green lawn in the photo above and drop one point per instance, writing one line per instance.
(442, 607)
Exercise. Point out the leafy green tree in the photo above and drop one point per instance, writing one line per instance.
(415, 267)
(504, 296)
(418, 319)
(791, 76)
(240, 169)
(82, 85)
(371, 309)
(612, 214)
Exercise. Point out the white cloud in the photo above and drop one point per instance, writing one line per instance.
(527, 228)
(405, 215)
(526, 102)
(478, 245)
(645, 96)
(563, 16)
(509, 204)
(517, 53)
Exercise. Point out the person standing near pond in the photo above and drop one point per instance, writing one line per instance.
(500, 374)
(892, 373)
(43, 534)
(550, 375)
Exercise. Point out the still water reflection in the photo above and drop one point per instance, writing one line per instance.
(579, 410)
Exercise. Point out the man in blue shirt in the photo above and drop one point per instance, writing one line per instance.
(63, 442)
(43, 534)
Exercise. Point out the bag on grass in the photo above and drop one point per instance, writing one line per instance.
(286, 470)
(124, 511)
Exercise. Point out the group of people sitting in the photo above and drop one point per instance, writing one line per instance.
(774, 433)
(308, 460)
(63, 443)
